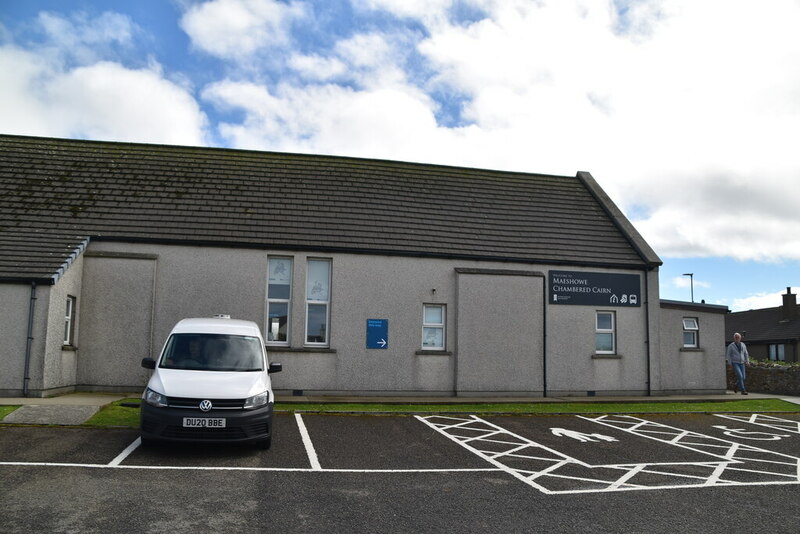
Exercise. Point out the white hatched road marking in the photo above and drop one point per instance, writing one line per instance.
(769, 421)
(553, 472)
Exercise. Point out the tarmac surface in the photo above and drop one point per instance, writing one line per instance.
(77, 408)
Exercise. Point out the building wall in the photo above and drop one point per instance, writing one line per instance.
(574, 368)
(689, 370)
(501, 333)
(115, 319)
(16, 302)
(134, 294)
(60, 368)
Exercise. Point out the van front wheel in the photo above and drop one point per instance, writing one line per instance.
(265, 443)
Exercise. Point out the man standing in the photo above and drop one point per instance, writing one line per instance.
(737, 356)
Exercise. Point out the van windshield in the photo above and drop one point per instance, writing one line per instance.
(213, 352)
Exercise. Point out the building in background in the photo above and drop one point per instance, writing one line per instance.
(368, 277)
(770, 333)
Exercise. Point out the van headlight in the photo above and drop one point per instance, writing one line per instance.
(153, 398)
(256, 400)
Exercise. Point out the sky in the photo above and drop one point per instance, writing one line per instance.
(686, 112)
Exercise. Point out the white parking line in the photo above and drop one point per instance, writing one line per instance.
(312, 454)
(127, 452)
(235, 468)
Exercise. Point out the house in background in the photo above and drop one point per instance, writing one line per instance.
(367, 277)
(770, 333)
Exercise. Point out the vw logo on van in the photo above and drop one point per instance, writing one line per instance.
(205, 406)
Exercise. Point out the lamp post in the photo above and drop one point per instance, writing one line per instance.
(691, 282)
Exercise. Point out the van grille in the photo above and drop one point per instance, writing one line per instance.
(229, 433)
(194, 404)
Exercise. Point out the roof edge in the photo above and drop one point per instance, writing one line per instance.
(77, 251)
(620, 221)
(693, 306)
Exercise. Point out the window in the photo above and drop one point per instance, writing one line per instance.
(777, 353)
(318, 282)
(604, 338)
(433, 327)
(279, 298)
(69, 321)
(690, 332)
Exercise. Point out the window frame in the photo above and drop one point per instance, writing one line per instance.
(70, 317)
(693, 330)
(612, 331)
(438, 326)
(776, 352)
(286, 301)
(326, 303)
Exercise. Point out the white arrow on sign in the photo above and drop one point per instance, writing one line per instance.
(382, 342)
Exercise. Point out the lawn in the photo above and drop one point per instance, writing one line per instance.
(123, 414)
(760, 405)
(5, 410)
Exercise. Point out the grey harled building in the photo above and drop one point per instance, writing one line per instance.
(368, 277)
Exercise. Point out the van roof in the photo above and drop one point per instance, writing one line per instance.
(214, 325)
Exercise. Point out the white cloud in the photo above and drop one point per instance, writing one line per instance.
(109, 101)
(81, 39)
(427, 10)
(235, 29)
(324, 118)
(686, 116)
(80, 29)
(761, 300)
(317, 68)
(100, 101)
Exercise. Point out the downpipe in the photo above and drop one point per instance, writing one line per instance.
(29, 344)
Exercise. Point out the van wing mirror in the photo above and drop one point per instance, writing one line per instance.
(275, 368)
(148, 363)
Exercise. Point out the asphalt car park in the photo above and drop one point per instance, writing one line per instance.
(430, 473)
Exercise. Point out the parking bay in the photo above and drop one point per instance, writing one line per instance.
(525, 447)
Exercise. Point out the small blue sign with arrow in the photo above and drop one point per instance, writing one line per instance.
(377, 333)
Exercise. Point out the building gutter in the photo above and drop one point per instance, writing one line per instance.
(544, 336)
(29, 343)
(647, 333)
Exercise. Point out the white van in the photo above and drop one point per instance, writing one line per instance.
(211, 383)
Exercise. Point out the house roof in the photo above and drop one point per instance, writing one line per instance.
(765, 325)
(56, 195)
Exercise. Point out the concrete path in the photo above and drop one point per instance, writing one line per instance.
(40, 414)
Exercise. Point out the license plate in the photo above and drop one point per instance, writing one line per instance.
(204, 422)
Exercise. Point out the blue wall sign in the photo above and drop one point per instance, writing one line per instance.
(377, 333)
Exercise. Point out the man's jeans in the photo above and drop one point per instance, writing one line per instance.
(738, 368)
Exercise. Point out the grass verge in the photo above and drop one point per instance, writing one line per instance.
(760, 405)
(124, 413)
(5, 410)
(120, 414)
